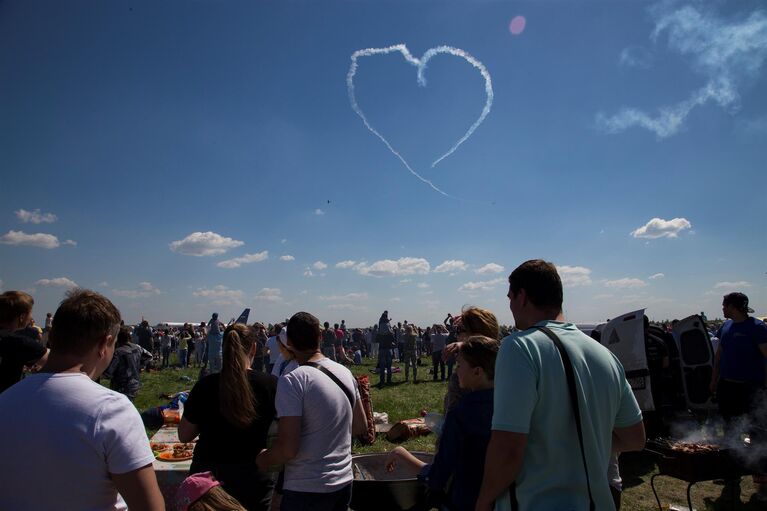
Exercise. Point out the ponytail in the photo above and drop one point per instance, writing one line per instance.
(236, 398)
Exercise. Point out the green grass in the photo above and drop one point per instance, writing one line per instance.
(405, 400)
(402, 401)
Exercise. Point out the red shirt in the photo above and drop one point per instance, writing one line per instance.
(340, 335)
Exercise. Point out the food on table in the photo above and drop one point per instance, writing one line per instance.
(159, 447)
(176, 452)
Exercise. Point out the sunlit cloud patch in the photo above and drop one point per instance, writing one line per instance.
(399, 267)
(22, 239)
(660, 228)
(245, 259)
(574, 276)
(35, 216)
(200, 244)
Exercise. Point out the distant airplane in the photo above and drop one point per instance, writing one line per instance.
(172, 324)
(243, 318)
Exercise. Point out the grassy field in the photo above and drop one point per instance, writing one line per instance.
(405, 400)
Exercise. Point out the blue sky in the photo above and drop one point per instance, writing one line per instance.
(134, 125)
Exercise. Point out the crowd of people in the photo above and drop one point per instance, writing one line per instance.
(516, 403)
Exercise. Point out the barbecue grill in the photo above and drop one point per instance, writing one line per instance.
(694, 463)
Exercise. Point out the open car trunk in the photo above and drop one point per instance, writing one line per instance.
(624, 336)
(696, 360)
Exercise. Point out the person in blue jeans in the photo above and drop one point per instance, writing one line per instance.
(183, 348)
(385, 346)
(465, 433)
(215, 345)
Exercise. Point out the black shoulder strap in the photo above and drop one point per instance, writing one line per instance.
(573, 401)
(335, 379)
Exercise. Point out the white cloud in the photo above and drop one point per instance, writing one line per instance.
(423, 285)
(221, 295)
(603, 296)
(732, 286)
(727, 53)
(389, 268)
(35, 216)
(319, 265)
(57, 282)
(103, 283)
(626, 282)
(344, 298)
(287, 258)
(489, 268)
(319, 212)
(284, 240)
(636, 56)
(269, 294)
(451, 265)
(405, 281)
(485, 285)
(308, 272)
(303, 292)
(345, 264)
(246, 259)
(659, 228)
(145, 290)
(346, 307)
(573, 276)
(204, 244)
(71, 243)
(20, 238)
(656, 276)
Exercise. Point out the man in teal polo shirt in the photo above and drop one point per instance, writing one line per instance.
(534, 440)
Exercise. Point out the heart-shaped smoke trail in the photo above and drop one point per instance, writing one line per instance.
(420, 64)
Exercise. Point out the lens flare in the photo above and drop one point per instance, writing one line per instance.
(517, 25)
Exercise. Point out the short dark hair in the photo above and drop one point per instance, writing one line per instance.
(737, 300)
(14, 304)
(481, 351)
(304, 331)
(82, 319)
(541, 283)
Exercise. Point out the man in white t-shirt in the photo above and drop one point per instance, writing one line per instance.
(319, 408)
(86, 443)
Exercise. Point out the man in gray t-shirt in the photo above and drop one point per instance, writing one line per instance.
(319, 408)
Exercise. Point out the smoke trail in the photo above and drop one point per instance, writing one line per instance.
(420, 64)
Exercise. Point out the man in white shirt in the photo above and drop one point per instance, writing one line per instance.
(59, 426)
(319, 408)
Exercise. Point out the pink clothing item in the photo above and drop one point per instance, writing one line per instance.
(193, 488)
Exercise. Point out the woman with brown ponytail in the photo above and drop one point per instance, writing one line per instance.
(232, 411)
